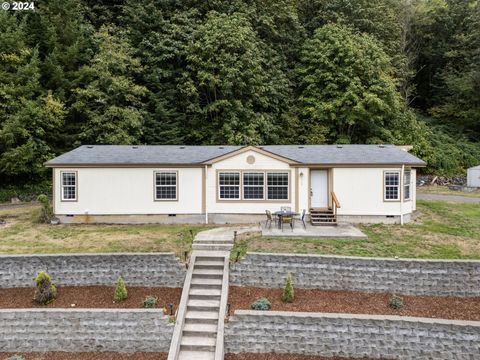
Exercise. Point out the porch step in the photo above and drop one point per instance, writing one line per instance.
(207, 329)
(322, 216)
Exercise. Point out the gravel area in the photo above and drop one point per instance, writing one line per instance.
(90, 297)
(252, 356)
(86, 356)
(314, 300)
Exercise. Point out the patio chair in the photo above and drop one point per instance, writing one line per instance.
(285, 208)
(287, 220)
(270, 219)
(301, 218)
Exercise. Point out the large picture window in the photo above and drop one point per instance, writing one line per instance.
(391, 185)
(277, 186)
(69, 185)
(407, 179)
(229, 185)
(166, 185)
(253, 185)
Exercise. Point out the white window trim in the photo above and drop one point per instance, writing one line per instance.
(263, 186)
(155, 186)
(399, 192)
(239, 185)
(62, 186)
(277, 186)
(265, 190)
(409, 185)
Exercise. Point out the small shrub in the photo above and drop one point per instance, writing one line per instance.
(46, 213)
(120, 291)
(45, 291)
(288, 293)
(15, 357)
(396, 302)
(150, 302)
(261, 304)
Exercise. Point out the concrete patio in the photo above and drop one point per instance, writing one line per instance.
(344, 231)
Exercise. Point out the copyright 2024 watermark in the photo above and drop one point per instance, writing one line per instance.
(18, 6)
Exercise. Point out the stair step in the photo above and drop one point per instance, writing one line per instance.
(212, 241)
(207, 271)
(208, 264)
(206, 282)
(204, 293)
(203, 305)
(196, 343)
(200, 328)
(201, 317)
(196, 355)
(210, 246)
(210, 259)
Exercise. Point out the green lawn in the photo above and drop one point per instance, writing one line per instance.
(441, 230)
(444, 190)
(23, 234)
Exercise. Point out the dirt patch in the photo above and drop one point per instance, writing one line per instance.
(90, 297)
(252, 356)
(332, 301)
(87, 356)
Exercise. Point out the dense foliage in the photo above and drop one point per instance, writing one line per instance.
(239, 72)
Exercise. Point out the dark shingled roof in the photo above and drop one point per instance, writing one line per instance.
(191, 155)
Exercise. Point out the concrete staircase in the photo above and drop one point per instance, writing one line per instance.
(198, 333)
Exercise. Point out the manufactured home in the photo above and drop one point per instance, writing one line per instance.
(234, 184)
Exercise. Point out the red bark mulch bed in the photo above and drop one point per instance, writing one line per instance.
(87, 356)
(90, 297)
(332, 301)
(252, 356)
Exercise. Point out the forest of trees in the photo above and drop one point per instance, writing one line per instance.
(239, 72)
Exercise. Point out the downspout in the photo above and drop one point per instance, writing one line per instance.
(205, 192)
(402, 174)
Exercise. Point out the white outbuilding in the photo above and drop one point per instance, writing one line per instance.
(473, 176)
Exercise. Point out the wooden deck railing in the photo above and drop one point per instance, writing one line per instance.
(335, 202)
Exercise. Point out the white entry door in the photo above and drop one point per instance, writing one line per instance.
(319, 190)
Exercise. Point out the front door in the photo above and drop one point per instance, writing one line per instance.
(319, 190)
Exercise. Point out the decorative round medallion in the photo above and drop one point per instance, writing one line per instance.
(251, 159)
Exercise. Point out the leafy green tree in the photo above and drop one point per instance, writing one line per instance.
(346, 88)
(231, 97)
(110, 103)
(29, 116)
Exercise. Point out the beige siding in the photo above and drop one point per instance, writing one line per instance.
(360, 192)
(239, 162)
(103, 191)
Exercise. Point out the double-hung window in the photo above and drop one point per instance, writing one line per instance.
(253, 185)
(166, 185)
(407, 179)
(391, 185)
(69, 185)
(229, 185)
(277, 186)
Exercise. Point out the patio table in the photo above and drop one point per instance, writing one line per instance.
(281, 214)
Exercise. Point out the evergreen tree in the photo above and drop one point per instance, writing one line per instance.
(346, 88)
(110, 103)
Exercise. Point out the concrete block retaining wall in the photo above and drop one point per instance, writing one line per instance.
(140, 269)
(86, 330)
(403, 276)
(348, 335)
